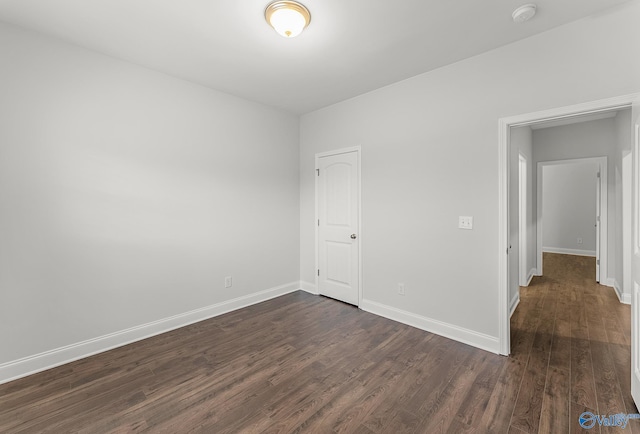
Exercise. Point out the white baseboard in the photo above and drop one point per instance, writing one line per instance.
(460, 334)
(59, 356)
(622, 296)
(611, 282)
(515, 301)
(616, 288)
(564, 251)
(530, 275)
(309, 287)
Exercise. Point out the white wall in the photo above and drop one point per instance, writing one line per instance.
(430, 154)
(569, 208)
(126, 197)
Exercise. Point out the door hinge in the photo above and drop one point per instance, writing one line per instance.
(318, 222)
(318, 172)
(318, 272)
(597, 261)
(598, 175)
(598, 218)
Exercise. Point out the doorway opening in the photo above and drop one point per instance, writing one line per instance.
(572, 211)
(562, 114)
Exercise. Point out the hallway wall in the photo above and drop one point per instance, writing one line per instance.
(569, 208)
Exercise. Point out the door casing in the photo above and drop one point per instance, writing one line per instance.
(504, 126)
(635, 259)
(523, 244)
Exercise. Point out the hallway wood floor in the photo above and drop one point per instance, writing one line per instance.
(302, 363)
(570, 344)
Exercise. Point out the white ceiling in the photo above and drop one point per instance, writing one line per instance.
(350, 47)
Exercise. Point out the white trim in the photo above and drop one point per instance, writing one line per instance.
(460, 334)
(627, 218)
(563, 251)
(533, 272)
(504, 125)
(338, 152)
(15, 369)
(618, 291)
(358, 151)
(523, 235)
(515, 301)
(597, 106)
(504, 338)
(624, 297)
(636, 197)
(609, 281)
(308, 287)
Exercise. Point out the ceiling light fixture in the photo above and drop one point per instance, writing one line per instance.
(288, 18)
(524, 13)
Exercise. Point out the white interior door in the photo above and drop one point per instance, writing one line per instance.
(338, 206)
(598, 206)
(635, 261)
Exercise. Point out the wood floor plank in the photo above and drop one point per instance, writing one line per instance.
(445, 402)
(555, 403)
(408, 386)
(574, 426)
(582, 377)
(526, 414)
(528, 407)
(303, 363)
(478, 395)
(608, 390)
(621, 355)
(560, 357)
(497, 415)
(429, 398)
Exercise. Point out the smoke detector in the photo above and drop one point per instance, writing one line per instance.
(524, 13)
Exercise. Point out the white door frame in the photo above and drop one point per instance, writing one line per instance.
(523, 245)
(635, 277)
(504, 125)
(358, 150)
(627, 221)
(604, 209)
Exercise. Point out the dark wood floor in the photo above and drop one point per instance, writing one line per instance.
(570, 342)
(302, 363)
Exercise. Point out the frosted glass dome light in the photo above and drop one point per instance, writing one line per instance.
(524, 13)
(288, 18)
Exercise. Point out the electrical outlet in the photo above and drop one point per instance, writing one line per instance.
(579, 240)
(401, 288)
(465, 222)
(228, 282)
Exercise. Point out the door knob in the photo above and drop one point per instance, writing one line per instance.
(353, 236)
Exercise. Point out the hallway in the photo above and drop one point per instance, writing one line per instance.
(570, 345)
